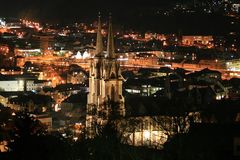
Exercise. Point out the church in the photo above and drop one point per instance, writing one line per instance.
(105, 85)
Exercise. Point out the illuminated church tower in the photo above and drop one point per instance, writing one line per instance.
(105, 100)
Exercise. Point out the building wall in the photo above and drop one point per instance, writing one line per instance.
(12, 86)
(146, 61)
(34, 86)
(143, 90)
(46, 43)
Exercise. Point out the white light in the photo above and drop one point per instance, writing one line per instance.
(21, 82)
(86, 55)
(56, 108)
(78, 55)
(218, 97)
(75, 138)
(146, 134)
(29, 50)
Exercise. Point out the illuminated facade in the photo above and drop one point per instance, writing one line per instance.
(105, 86)
(20, 85)
(199, 41)
(27, 52)
(143, 59)
(12, 85)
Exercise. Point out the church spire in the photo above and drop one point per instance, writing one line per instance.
(99, 42)
(110, 45)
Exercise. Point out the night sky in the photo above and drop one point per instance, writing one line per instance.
(71, 10)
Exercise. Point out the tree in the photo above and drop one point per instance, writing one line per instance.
(31, 141)
(5, 122)
(174, 126)
(26, 125)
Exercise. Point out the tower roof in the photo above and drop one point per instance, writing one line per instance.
(110, 45)
(99, 42)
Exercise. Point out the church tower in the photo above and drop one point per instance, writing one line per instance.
(105, 100)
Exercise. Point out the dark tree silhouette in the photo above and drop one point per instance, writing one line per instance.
(31, 141)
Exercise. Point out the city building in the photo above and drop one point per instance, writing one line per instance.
(46, 43)
(12, 85)
(197, 40)
(27, 52)
(142, 59)
(16, 83)
(10, 70)
(144, 87)
(77, 76)
(45, 119)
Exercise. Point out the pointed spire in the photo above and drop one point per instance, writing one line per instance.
(99, 42)
(110, 45)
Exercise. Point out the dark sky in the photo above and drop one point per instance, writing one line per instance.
(71, 10)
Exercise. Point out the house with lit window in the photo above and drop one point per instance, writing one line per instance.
(151, 121)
